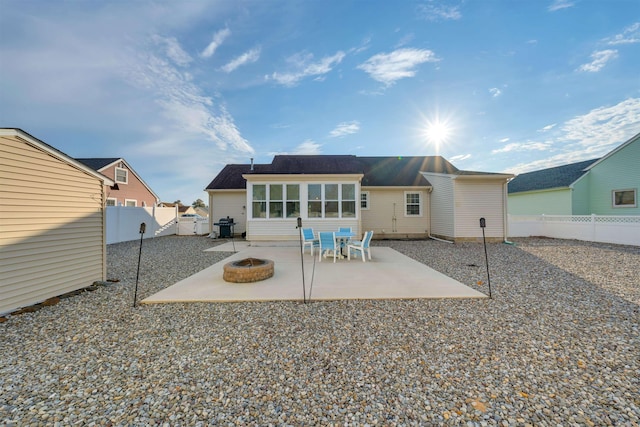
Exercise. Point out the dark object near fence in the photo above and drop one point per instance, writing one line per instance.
(225, 226)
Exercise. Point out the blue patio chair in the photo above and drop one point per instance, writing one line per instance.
(309, 239)
(344, 229)
(327, 244)
(361, 246)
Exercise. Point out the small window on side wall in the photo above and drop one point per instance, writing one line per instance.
(122, 176)
(130, 203)
(364, 200)
(625, 198)
(112, 202)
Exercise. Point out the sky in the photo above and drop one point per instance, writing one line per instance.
(180, 89)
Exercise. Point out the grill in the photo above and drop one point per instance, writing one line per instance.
(225, 225)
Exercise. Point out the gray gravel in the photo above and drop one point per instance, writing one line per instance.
(557, 345)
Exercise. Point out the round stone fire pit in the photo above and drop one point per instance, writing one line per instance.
(248, 270)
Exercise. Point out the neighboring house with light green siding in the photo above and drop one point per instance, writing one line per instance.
(605, 186)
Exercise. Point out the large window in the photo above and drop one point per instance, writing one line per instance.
(331, 200)
(315, 200)
(259, 202)
(413, 204)
(348, 201)
(625, 198)
(270, 200)
(293, 200)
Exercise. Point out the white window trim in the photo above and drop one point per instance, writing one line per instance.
(135, 202)
(419, 204)
(115, 201)
(635, 198)
(368, 200)
(126, 174)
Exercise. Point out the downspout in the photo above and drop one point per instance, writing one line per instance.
(505, 199)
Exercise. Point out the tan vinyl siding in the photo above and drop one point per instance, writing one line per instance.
(285, 229)
(442, 207)
(51, 226)
(386, 214)
(475, 200)
(232, 204)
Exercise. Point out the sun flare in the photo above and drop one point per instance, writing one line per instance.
(438, 132)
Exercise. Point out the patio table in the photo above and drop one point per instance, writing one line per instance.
(343, 237)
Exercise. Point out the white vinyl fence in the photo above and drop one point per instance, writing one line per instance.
(123, 222)
(618, 229)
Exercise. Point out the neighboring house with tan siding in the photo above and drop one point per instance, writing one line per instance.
(129, 188)
(396, 197)
(52, 222)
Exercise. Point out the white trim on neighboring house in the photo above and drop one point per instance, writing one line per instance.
(111, 199)
(134, 201)
(617, 206)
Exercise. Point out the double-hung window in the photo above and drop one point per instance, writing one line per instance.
(364, 200)
(259, 202)
(412, 204)
(121, 176)
(293, 200)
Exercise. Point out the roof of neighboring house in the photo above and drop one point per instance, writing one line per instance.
(30, 139)
(377, 171)
(556, 177)
(100, 163)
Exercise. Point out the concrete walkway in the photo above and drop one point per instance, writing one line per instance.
(389, 275)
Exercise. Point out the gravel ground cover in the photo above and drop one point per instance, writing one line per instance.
(558, 344)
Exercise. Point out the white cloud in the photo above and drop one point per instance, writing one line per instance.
(523, 146)
(246, 58)
(591, 135)
(308, 147)
(503, 140)
(547, 128)
(345, 128)
(600, 59)
(629, 35)
(560, 4)
(389, 67)
(173, 50)
(218, 38)
(603, 127)
(495, 92)
(305, 67)
(460, 157)
(437, 11)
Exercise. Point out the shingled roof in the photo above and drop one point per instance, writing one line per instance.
(377, 171)
(98, 163)
(556, 177)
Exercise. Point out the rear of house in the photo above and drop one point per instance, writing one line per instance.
(389, 195)
(51, 222)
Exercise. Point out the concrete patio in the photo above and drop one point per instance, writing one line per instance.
(389, 275)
